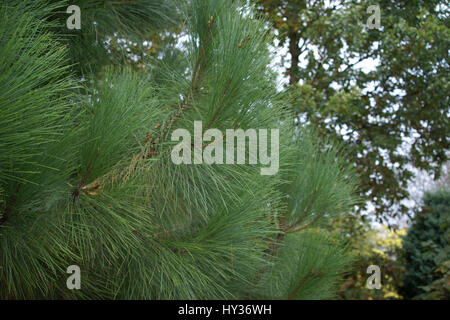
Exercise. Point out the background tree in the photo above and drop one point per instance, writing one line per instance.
(389, 116)
(369, 246)
(424, 182)
(426, 252)
(86, 176)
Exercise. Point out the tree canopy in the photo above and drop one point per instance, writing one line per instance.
(384, 92)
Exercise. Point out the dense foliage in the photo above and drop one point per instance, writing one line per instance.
(368, 246)
(86, 176)
(426, 252)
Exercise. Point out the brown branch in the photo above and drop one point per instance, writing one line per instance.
(216, 115)
(247, 38)
(312, 273)
(297, 288)
(273, 249)
(293, 228)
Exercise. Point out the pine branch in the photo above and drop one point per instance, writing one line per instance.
(216, 115)
(151, 147)
(195, 83)
(147, 229)
(302, 283)
(294, 228)
(275, 246)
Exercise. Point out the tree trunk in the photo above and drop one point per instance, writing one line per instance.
(294, 50)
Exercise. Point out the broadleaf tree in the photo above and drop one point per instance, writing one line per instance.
(86, 171)
(383, 91)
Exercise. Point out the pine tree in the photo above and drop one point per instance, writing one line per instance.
(87, 179)
(425, 251)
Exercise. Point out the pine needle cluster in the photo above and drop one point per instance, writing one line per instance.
(86, 176)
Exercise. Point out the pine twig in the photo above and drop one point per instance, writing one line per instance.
(294, 228)
(302, 283)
